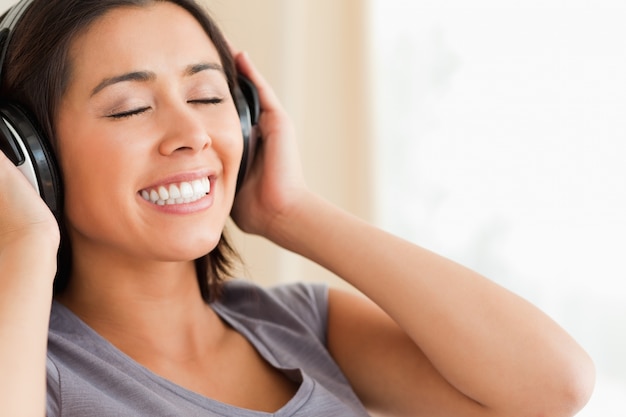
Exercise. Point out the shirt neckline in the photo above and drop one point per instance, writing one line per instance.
(90, 336)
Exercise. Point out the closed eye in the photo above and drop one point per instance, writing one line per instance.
(129, 113)
(213, 100)
(140, 110)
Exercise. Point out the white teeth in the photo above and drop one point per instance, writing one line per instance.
(183, 192)
(198, 187)
(163, 193)
(186, 190)
(174, 191)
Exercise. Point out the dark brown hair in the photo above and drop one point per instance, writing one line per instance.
(37, 71)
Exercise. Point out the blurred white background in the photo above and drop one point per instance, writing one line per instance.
(501, 142)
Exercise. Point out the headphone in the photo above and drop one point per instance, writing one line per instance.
(22, 140)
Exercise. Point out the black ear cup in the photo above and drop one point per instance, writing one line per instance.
(21, 140)
(20, 137)
(247, 102)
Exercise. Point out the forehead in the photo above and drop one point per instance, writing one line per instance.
(161, 35)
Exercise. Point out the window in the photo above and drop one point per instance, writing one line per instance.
(501, 137)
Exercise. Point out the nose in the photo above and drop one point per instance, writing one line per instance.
(183, 130)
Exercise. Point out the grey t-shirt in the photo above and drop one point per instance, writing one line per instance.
(89, 377)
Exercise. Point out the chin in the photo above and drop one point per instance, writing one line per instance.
(194, 249)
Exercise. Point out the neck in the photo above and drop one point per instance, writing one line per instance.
(145, 306)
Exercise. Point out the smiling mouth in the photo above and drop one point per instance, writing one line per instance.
(183, 192)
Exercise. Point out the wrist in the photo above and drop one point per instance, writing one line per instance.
(298, 227)
(30, 252)
(38, 237)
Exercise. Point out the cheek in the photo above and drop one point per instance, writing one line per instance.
(87, 180)
(237, 145)
(235, 149)
(86, 162)
(230, 145)
(93, 173)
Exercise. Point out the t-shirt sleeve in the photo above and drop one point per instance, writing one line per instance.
(309, 302)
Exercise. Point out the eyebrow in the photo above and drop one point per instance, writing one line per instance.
(203, 66)
(141, 76)
(144, 76)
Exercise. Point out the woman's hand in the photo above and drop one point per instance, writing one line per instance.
(275, 183)
(23, 214)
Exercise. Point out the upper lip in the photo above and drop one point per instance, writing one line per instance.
(186, 176)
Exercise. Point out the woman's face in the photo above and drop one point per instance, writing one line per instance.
(148, 137)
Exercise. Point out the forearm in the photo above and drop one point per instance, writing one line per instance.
(490, 344)
(25, 297)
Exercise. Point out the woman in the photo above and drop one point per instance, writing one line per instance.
(136, 98)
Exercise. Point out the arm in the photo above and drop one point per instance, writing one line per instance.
(28, 241)
(438, 339)
(454, 343)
